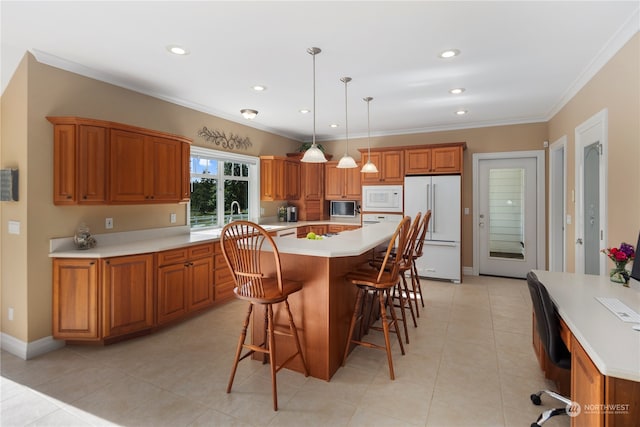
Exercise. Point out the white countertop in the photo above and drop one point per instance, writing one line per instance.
(346, 243)
(610, 343)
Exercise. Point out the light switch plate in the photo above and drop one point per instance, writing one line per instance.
(14, 227)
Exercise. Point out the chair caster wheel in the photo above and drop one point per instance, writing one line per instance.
(536, 401)
(535, 425)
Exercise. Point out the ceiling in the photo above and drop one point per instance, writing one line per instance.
(519, 61)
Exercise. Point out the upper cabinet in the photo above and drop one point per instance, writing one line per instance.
(279, 178)
(439, 159)
(98, 162)
(342, 184)
(390, 164)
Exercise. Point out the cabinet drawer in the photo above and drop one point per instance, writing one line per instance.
(222, 275)
(224, 291)
(200, 251)
(220, 262)
(173, 256)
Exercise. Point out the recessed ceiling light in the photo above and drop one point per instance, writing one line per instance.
(177, 50)
(461, 112)
(334, 125)
(457, 91)
(305, 111)
(450, 53)
(259, 88)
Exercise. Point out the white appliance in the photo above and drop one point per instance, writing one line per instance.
(440, 193)
(382, 198)
(368, 219)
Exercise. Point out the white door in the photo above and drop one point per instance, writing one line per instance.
(507, 216)
(591, 194)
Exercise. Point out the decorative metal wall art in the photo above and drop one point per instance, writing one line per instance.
(230, 142)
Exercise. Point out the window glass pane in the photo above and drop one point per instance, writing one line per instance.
(236, 199)
(228, 167)
(245, 170)
(506, 213)
(204, 202)
(204, 166)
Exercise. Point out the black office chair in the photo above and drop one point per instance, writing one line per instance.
(548, 327)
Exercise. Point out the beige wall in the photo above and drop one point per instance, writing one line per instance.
(615, 87)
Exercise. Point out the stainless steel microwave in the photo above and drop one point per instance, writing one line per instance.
(343, 208)
(382, 198)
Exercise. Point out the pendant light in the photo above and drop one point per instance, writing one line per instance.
(314, 154)
(368, 167)
(346, 161)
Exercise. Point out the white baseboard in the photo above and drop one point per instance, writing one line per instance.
(467, 271)
(29, 350)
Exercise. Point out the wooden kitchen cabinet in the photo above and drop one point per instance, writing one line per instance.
(75, 299)
(185, 281)
(390, 164)
(291, 180)
(100, 162)
(127, 294)
(144, 168)
(342, 184)
(80, 159)
(223, 279)
(279, 178)
(439, 159)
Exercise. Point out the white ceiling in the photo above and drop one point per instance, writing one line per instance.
(519, 62)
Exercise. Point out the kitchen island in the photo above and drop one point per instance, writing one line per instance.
(323, 309)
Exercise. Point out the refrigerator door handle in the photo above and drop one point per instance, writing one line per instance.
(433, 211)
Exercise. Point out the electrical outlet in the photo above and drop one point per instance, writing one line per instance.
(173, 218)
(108, 223)
(10, 313)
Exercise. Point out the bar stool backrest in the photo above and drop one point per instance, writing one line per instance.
(422, 232)
(399, 240)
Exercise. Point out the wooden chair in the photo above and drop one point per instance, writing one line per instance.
(378, 282)
(417, 253)
(242, 243)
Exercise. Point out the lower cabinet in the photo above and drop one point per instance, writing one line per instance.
(104, 299)
(127, 295)
(185, 281)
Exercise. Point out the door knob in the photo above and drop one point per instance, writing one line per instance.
(579, 241)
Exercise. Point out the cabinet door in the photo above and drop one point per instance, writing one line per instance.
(92, 164)
(313, 180)
(392, 167)
(172, 292)
(64, 165)
(417, 161)
(127, 294)
(164, 179)
(587, 386)
(333, 181)
(75, 299)
(292, 179)
(128, 167)
(271, 179)
(353, 183)
(446, 160)
(200, 289)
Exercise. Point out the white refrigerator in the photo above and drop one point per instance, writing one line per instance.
(440, 193)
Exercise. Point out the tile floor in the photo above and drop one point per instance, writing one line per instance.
(469, 363)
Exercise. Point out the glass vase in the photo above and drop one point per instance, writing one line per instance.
(619, 274)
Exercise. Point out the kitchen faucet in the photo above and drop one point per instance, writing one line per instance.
(235, 202)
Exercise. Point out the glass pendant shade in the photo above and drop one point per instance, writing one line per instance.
(346, 161)
(368, 167)
(314, 154)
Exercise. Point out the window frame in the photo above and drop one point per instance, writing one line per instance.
(253, 163)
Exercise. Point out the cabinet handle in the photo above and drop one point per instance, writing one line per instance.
(186, 264)
(84, 197)
(107, 262)
(68, 196)
(92, 263)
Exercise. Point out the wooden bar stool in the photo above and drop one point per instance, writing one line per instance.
(242, 243)
(379, 282)
(417, 253)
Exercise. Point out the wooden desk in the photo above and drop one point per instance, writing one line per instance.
(605, 351)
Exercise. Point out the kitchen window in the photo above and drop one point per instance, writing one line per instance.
(224, 188)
